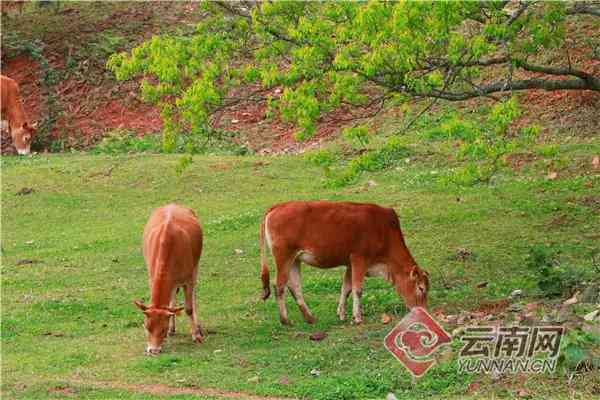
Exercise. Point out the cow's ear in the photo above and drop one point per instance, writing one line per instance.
(140, 305)
(413, 273)
(175, 311)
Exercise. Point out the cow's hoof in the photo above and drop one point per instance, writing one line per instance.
(285, 321)
(171, 332)
(341, 315)
(356, 321)
(197, 338)
(310, 319)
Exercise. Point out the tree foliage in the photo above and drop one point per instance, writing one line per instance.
(366, 56)
(357, 54)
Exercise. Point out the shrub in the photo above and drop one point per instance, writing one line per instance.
(120, 141)
(576, 351)
(554, 278)
(369, 161)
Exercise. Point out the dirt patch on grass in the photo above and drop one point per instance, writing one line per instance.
(518, 160)
(161, 389)
(493, 307)
(63, 390)
(561, 220)
(592, 202)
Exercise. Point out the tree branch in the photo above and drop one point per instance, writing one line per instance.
(234, 9)
(584, 7)
(559, 71)
(517, 13)
(525, 84)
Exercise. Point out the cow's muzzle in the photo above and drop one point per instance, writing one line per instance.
(152, 351)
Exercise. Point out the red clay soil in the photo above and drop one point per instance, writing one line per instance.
(110, 114)
(574, 110)
(273, 135)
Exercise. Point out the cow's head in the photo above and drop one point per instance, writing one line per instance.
(156, 323)
(22, 137)
(413, 286)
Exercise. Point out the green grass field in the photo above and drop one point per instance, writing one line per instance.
(69, 328)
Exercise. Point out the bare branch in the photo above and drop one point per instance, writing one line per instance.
(585, 7)
(234, 8)
(381, 100)
(558, 71)
(517, 13)
(525, 84)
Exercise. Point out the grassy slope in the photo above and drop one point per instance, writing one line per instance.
(68, 319)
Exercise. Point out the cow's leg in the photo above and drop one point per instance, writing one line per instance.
(359, 270)
(283, 266)
(346, 289)
(295, 286)
(172, 305)
(190, 310)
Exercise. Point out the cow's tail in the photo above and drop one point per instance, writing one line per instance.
(264, 268)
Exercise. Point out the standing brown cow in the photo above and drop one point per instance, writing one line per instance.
(364, 237)
(172, 248)
(12, 110)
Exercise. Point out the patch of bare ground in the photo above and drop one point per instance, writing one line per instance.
(161, 389)
(518, 160)
(62, 390)
(592, 202)
(573, 113)
(272, 135)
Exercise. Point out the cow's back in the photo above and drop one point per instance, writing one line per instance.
(12, 109)
(172, 241)
(331, 231)
(8, 92)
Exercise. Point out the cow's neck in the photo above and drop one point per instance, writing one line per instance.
(162, 289)
(402, 261)
(16, 116)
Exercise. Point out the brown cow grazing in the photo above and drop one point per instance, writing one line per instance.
(20, 129)
(364, 237)
(172, 248)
